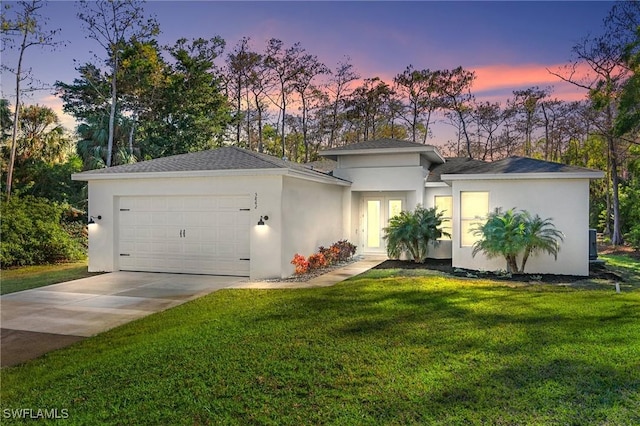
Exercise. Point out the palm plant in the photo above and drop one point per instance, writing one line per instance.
(411, 232)
(512, 233)
(541, 236)
(503, 234)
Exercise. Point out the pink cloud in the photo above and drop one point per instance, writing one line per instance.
(506, 78)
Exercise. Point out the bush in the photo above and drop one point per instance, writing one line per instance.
(32, 233)
(301, 264)
(340, 251)
(345, 250)
(633, 237)
(411, 232)
(512, 233)
(317, 260)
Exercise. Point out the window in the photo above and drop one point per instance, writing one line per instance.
(444, 205)
(474, 207)
(373, 223)
(395, 207)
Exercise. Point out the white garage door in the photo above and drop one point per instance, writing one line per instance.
(196, 235)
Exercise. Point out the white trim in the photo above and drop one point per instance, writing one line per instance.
(312, 176)
(596, 174)
(427, 149)
(436, 185)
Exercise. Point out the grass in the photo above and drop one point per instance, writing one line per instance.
(380, 348)
(28, 277)
(627, 266)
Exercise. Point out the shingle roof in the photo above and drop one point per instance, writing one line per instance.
(323, 165)
(451, 165)
(227, 158)
(379, 144)
(516, 165)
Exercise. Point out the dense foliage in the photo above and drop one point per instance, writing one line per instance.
(34, 232)
(516, 234)
(410, 233)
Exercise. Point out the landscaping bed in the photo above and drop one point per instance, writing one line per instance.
(596, 272)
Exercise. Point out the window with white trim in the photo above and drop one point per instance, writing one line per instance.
(474, 207)
(444, 205)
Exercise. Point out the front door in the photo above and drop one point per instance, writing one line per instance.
(376, 212)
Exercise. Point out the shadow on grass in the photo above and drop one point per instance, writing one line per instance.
(564, 354)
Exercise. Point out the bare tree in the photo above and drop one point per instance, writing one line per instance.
(27, 29)
(455, 88)
(310, 68)
(420, 92)
(603, 57)
(525, 106)
(338, 86)
(489, 117)
(112, 24)
(284, 63)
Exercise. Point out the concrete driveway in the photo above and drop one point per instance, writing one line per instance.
(40, 320)
(37, 321)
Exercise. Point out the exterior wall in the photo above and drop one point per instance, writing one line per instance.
(379, 160)
(565, 201)
(378, 176)
(444, 249)
(312, 215)
(265, 193)
(385, 179)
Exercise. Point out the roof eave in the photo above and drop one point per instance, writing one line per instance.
(316, 176)
(430, 152)
(518, 176)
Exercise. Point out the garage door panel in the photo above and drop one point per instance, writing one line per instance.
(204, 235)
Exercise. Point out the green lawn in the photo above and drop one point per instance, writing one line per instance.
(377, 349)
(624, 265)
(17, 279)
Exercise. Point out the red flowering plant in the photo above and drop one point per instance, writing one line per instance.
(301, 264)
(317, 260)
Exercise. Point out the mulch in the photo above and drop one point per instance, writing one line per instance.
(597, 271)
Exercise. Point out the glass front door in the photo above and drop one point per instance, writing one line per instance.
(376, 214)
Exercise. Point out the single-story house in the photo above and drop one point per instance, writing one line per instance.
(231, 211)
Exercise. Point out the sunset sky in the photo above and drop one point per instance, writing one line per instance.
(510, 45)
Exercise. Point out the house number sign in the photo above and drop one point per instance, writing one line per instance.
(255, 200)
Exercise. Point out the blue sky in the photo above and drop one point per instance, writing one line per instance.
(508, 44)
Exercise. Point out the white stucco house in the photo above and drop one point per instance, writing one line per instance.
(231, 211)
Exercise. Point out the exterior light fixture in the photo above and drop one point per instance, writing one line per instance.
(92, 221)
(262, 219)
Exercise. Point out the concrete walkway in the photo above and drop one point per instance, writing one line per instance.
(37, 321)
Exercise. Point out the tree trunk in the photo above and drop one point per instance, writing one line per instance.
(131, 132)
(248, 123)
(616, 236)
(16, 117)
(284, 111)
(112, 113)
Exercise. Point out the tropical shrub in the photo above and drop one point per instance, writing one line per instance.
(301, 264)
(33, 234)
(344, 249)
(511, 234)
(339, 251)
(317, 260)
(411, 232)
(331, 254)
